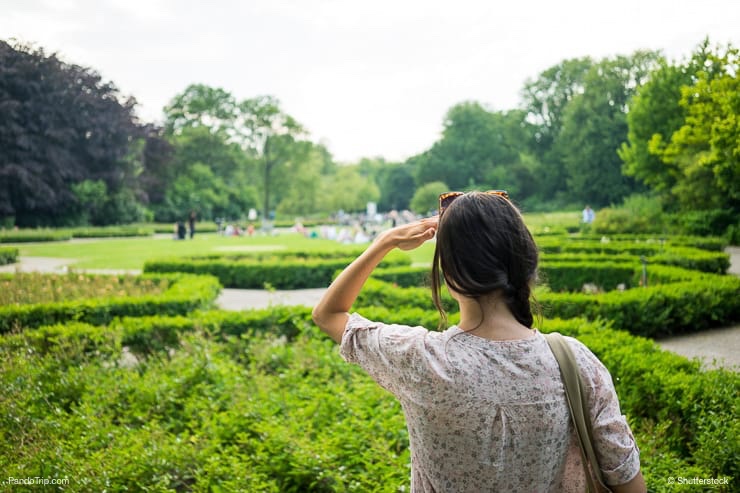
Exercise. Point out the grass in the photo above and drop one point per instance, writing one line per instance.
(131, 253)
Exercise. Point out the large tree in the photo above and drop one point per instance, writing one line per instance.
(595, 126)
(478, 147)
(397, 187)
(545, 100)
(270, 134)
(61, 125)
(683, 132)
(705, 150)
(263, 131)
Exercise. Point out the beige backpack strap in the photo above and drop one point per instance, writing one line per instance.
(576, 395)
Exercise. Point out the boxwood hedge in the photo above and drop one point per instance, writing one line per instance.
(279, 270)
(682, 256)
(8, 255)
(674, 301)
(261, 401)
(185, 294)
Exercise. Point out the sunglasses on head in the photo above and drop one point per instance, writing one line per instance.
(447, 198)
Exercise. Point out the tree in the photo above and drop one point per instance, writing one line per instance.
(300, 182)
(396, 183)
(196, 189)
(202, 106)
(545, 100)
(595, 126)
(474, 142)
(655, 111)
(61, 125)
(257, 125)
(268, 133)
(426, 197)
(655, 114)
(348, 190)
(706, 149)
(227, 161)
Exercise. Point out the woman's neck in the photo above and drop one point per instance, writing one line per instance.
(490, 319)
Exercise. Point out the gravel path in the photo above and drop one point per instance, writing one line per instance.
(715, 348)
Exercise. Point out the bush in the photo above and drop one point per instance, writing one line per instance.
(711, 243)
(205, 408)
(31, 235)
(687, 257)
(279, 270)
(185, 294)
(675, 301)
(8, 255)
(637, 214)
(111, 231)
(714, 222)
(34, 287)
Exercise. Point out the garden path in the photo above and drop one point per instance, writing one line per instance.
(715, 348)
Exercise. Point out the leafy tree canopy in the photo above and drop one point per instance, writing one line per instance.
(61, 125)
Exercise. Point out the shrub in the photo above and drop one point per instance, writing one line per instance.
(711, 243)
(185, 294)
(637, 214)
(33, 287)
(8, 255)
(692, 258)
(716, 222)
(690, 301)
(280, 270)
(111, 231)
(31, 235)
(249, 409)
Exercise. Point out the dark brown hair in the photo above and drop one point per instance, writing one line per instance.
(483, 246)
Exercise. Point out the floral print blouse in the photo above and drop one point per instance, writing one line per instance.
(486, 415)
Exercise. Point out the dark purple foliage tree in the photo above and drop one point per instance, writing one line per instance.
(60, 124)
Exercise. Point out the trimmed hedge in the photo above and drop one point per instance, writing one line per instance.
(32, 235)
(64, 234)
(185, 294)
(565, 274)
(278, 270)
(8, 255)
(690, 302)
(711, 243)
(111, 232)
(687, 257)
(261, 399)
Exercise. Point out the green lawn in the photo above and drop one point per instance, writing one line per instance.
(131, 253)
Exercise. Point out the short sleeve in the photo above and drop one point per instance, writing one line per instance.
(390, 354)
(615, 446)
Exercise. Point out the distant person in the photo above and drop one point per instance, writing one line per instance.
(588, 215)
(191, 224)
(483, 400)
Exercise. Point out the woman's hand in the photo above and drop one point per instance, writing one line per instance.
(412, 235)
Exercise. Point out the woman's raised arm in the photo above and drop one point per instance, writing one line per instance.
(332, 311)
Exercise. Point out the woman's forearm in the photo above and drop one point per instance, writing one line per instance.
(332, 311)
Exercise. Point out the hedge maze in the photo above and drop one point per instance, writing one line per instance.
(165, 393)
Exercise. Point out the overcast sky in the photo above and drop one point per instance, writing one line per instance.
(371, 78)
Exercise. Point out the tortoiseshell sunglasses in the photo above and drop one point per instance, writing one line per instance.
(445, 199)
